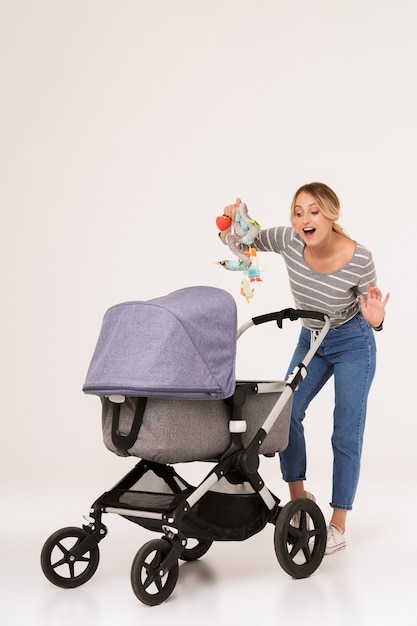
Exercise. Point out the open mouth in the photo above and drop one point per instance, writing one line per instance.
(309, 232)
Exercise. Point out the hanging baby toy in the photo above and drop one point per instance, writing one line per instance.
(243, 232)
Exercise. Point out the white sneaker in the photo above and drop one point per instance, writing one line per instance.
(335, 540)
(295, 520)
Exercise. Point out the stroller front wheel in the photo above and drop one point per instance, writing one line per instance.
(59, 563)
(300, 537)
(150, 583)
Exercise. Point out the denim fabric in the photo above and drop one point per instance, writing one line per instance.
(348, 353)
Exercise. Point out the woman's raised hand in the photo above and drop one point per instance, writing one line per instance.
(373, 306)
(231, 209)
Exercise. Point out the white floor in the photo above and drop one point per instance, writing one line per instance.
(372, 581)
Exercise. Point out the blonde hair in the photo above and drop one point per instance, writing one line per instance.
(326, 200)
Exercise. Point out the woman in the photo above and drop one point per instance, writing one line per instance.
(331, 273)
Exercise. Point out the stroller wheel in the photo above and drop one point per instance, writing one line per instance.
(300, 537)
(151, 584)
(198, 547)
(59, 564)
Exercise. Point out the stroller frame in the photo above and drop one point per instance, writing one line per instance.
(300, 529)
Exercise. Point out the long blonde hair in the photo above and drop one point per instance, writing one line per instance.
(326, 200)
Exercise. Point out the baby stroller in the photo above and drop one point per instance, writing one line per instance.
(164, 371)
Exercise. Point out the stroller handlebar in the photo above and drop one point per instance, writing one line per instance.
(290, 314)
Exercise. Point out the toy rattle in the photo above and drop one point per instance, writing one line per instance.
(243, 231)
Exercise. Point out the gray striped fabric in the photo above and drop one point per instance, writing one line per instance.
(335, 294)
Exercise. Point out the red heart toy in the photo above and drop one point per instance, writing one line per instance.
(223, 222)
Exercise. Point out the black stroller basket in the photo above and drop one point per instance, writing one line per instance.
(164, 371)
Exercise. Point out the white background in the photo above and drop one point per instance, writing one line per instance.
(126, 126)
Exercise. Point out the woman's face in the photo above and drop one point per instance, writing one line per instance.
(309, 221)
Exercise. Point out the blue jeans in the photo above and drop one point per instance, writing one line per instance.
(348, 353)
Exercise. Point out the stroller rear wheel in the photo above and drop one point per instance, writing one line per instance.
(196, 549)
(300, 537)
(59, 564)
(151, 584)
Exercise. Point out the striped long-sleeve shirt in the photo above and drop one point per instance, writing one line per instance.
(336, 294)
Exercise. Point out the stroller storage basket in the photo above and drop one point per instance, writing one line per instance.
(229, 512)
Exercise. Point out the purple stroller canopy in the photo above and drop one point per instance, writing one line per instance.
(182, 345)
